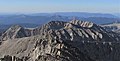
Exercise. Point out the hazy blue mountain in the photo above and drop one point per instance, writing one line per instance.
(117, 14)
(42, 18)
(26, 25)
(86, 15)
(101, 20)
(78, 14)
(15, 19)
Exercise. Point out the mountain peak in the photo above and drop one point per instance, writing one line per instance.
(15, 31)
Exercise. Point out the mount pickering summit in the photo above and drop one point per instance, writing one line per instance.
(60, 41)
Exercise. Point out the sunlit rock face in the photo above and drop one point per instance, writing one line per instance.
(13, 32)
(82, 23)
(61, 41)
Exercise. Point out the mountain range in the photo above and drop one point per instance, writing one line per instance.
(42, 18)
(75, 40)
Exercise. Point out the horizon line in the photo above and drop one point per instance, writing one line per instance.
(58, 12)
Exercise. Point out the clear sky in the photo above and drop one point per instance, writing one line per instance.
(36, 6)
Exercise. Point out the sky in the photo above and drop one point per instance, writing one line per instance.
(43, 6)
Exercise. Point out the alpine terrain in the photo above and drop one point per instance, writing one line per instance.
(60, 41)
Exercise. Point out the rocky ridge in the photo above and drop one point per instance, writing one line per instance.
(62, 41)
(115, 27)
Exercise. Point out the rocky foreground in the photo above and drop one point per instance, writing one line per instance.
(60, 41)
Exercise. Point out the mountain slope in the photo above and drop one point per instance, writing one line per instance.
(13, 32)
(64, 41)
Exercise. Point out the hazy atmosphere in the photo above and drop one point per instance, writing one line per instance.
(36, 6)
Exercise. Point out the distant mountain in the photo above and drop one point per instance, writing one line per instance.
(100, 20)
(42, 18)
(117, 14)
(15, 19)
(77, 14)
(115, 27)
(26, 25)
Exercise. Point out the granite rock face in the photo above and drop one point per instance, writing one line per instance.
(13, 32)
(61, 41)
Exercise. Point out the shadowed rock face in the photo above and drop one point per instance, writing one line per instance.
(61, 41)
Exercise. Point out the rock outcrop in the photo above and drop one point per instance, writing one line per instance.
(13, 58)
